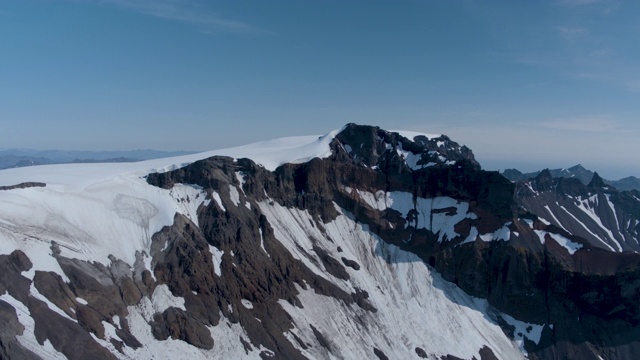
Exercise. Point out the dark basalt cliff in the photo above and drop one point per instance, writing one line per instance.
(590, 297)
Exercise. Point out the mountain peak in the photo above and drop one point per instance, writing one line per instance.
(544, 180)
(597, 182)
(377, 148)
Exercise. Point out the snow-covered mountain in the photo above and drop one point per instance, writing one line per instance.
(361, 243)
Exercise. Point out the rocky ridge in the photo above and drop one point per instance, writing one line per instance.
(577, 172)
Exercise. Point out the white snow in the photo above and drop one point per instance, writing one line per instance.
(376, 201)
(412, 134)
(584, 205)
(587, 228)
(416, 307)
(116, 216)
(218, 200)
(473, 235)
(409, 157)
(553, 216)
(523, 330)
(412, 159)
(162, 299)
(613, 210)
(503, 234)
(188, 198)
(216, 255)
(246, 303)
(270, 154)
(234, 195)
(544, 221)
(262, 243)
(438, 222)
(571, 246)
(227, 342)
(240, 178)
(82, 301)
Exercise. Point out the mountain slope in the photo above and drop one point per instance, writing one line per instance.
(314, 248)
(597, 212)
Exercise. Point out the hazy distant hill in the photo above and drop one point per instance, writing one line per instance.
(578, 172)
(12, 158)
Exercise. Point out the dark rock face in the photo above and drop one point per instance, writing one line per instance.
(420, 352)
(380, 354)
(597, 182)
(178, 324)
(66, 336)
(9, 347)
(18, 287)
(487, 354)
(369, 146)
(23, 186)
(332, 265)
(350, 263)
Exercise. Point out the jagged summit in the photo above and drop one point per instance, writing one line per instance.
(576, 172)
(543, 181)
(597, 182)
(381, 149)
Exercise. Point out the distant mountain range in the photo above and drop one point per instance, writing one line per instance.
(579, 172)
(14, 158)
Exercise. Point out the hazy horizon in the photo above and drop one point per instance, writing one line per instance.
(487, 164)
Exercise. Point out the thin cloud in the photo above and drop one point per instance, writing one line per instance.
(592, 76)
(579, 2)
(633, 85)
(589, 124)
(186, 12)
(605, 6)
(572, 34)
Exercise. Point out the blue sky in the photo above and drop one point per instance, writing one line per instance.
(525, 84)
